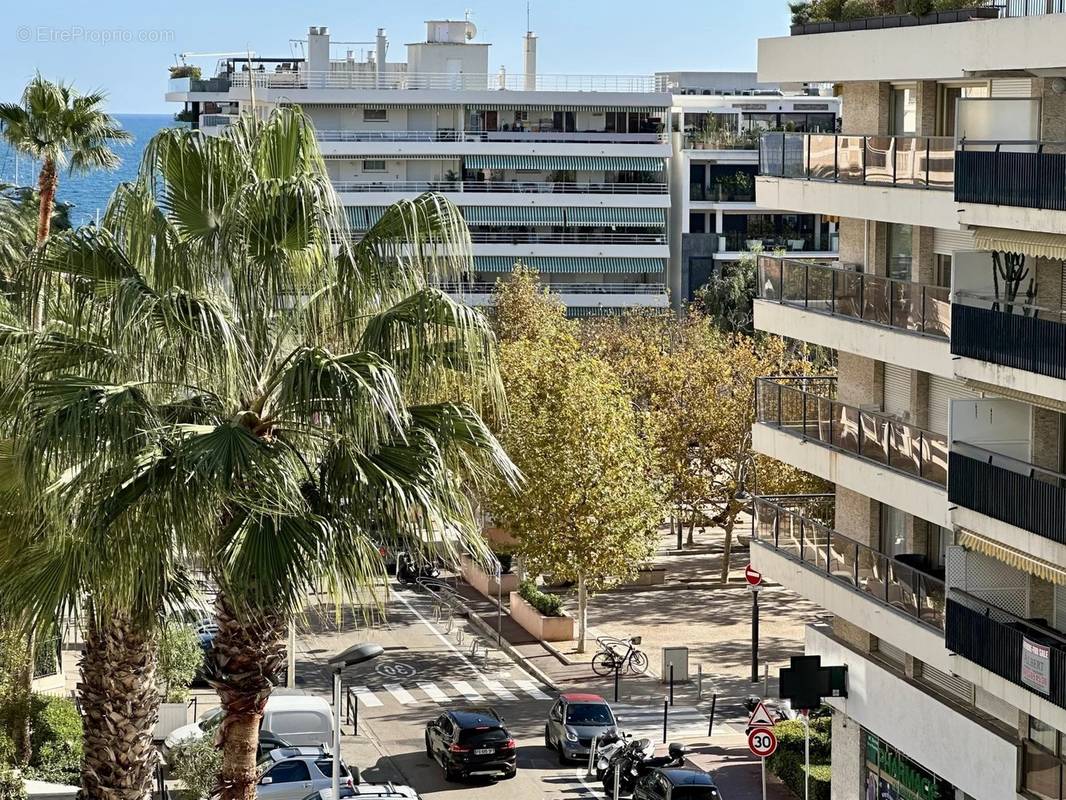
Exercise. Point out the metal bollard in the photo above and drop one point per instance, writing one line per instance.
(710, 723)
(699, 683)
(617, 778)
(617, 673)
(593, 747)
(671, 684)
(666, 715)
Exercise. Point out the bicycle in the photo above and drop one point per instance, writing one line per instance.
(609, 659)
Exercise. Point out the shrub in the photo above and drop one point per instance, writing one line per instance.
(859, 9)
(550, 605)
(788, 762)
(196, 764)
(11, 785)
(185, 71)
(56, 740)
(180, 658)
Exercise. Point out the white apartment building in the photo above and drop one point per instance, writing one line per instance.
(718, 118)
(941, 552)
(567, 173)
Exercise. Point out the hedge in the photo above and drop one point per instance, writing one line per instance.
(788, 763)
(550, 605)
(56, 740)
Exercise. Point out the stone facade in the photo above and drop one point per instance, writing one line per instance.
(865, 108)
(848, 758)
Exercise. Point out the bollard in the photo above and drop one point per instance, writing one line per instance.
(710, 723)
(671, 685)
(617, 778)
(617, 673)
(593, 747)
(766, 680)
(666, 715)
(699, 683)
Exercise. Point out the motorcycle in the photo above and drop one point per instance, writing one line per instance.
(409, 571)
(608, 745)
(633, 760)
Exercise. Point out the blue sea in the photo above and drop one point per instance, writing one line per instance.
(89, 192)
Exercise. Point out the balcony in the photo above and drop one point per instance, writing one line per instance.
(833, 174)
(800, 529)
(1017, 185)
(1004, 343)
(571, 137)
(503, 187)
(1030, 499)
(1001, 643)
(570, 237)
(717, 193)
(579, 295)
(442, 81)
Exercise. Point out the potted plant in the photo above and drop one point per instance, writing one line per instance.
(505, 555)
(541, 614)
(185, 71)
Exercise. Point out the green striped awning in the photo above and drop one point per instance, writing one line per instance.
(573, 264)
(362, 218)
(644, 217)
(513, 215)
(574, 163)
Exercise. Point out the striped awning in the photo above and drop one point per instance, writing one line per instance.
(622, 217)
(573, 264)
(513, 215)
(1030, 243)
(1015, 558)
(574, 163)
(362, 218)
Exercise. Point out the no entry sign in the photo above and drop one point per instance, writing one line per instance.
(762, 742)
(752, 575)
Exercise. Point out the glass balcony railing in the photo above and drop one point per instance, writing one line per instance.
(804, 407)
(800, 528)
(875, 299)
(922, 162)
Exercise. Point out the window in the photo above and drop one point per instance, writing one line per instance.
(375, 115)
(893, 530)
(900, 251)
(697, 223)
(943, 270)
(589, 714)
(479, 736)
(299, 722)
(374, 165)
(325, 766)
(289, 772)
(904, 112)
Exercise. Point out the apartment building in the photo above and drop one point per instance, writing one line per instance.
(718, 118)
(567, 173)
(941, 552)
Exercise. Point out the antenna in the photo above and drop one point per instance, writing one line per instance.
(529, 15)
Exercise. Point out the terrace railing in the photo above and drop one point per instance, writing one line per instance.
(1024, 174)
(507, 187)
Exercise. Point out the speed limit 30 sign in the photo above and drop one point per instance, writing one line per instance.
(762, 742)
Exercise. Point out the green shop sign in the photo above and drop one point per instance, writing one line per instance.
(912, 781)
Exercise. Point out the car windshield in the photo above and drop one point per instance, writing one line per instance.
(589, 714)
(694, 793)
(211, 720)
(325, 766)
(477, 736)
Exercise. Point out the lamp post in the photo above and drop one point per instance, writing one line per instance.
(358, 654)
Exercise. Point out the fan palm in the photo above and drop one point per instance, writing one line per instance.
(288, 401)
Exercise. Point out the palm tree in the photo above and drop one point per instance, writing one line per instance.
(289, 401)
(57, 126)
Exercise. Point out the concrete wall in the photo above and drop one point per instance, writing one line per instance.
(848, 758)
(865, 108)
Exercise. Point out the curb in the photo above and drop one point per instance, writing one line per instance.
(510, 649)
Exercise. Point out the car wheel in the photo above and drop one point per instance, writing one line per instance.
(508, 775)
(548, 739)
(562, 755)
(450, 775)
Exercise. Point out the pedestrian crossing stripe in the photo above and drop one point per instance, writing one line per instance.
(366, 697)
(682, 722)
(454, 691)
(467, 691)
(401, 694)
(531, 689)
(433, 692)
(499, 689)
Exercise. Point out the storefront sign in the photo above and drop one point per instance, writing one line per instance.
(890, 775)
(1036, 666)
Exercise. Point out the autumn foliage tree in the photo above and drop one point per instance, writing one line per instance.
(587, 510)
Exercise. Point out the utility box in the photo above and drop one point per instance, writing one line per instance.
(676, 657)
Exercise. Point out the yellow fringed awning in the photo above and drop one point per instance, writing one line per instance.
(1015, 558)
(1030, 243)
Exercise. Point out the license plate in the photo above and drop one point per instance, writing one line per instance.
(484, 751)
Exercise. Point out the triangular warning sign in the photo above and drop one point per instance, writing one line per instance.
(760, 718)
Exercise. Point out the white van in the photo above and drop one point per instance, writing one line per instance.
(299, 719)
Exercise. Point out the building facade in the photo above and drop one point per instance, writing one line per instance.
(566, 173)
(941, 552)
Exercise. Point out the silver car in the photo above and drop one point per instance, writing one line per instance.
(292, 773)
(574, 721)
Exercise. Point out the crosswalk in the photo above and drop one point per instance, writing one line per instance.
(449, 691)
(682, 722)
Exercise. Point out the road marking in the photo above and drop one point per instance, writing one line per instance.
(531, 689)
(499, 689)
(466, 690)
(433, 692)
(438, 634)
(401, 694)
(366, 697)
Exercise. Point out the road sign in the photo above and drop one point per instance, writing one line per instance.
(760, 718)
(752, 575)
(762, 742)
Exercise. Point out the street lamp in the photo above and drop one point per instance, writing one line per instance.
(357, 654)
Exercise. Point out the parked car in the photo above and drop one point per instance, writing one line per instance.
(290, 773)
(676, 783)
(385, 791)
(471, 742)
(574, 721)
(299, 719)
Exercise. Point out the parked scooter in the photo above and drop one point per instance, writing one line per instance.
(634, 759)
(609, 744)
(409, 571)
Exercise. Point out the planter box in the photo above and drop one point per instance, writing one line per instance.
(547, 629)
(484, 582)
(652, 576)
(171, 717)
(895, 21)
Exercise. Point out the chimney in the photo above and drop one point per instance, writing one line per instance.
(530, 51)
(381, 48)
(318, 51)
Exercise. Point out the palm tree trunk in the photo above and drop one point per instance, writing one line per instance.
(248, 655)
(47, 181)
(582, 613)
(121, 705)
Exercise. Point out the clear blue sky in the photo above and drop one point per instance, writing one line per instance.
(69, 38)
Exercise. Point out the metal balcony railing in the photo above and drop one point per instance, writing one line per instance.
(713, 193)
(922, 162)
(445, 81)
(1029, 8)
(801, 529)
(996, 640)
(804, 407)
(570, 237)
(1008, 489)
(1024, 174)
(875, 299)
(563, 288)
(546, 137)
(507, 187)
(1019, 335)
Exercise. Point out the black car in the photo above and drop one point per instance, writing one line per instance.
(470, 742)
(676, 783)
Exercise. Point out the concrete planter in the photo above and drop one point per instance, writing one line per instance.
(547, 629)
(649, 576)
(171, 717)
(484, 582)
